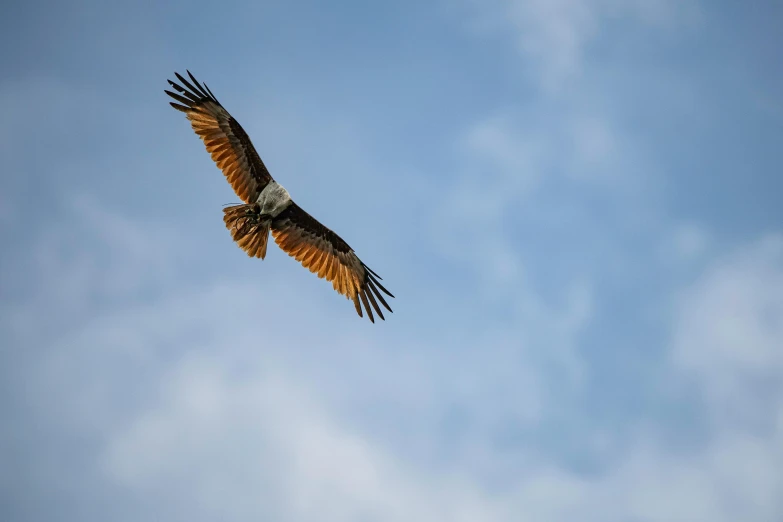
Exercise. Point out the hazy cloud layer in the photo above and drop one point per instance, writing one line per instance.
(584, 327)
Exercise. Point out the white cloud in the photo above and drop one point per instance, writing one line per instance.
(239, 445)
(685, 243)
(555, 34)
(524, 166)
(198, 401)
(199, 404)
(72, 277)
(243, 446)
(729, 334)
(468, 224)
(210, 399)
(594, 147)
(514, 152)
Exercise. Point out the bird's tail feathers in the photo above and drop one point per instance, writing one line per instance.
(247, 228)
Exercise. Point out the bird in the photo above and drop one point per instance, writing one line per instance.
(268, 208)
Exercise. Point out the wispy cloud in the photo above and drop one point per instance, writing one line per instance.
(730, 334)
(565, 344)
(557, 34)
(233, 422)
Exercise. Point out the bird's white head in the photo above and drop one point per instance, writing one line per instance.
(273, 199)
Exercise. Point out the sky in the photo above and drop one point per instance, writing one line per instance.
(575, 202)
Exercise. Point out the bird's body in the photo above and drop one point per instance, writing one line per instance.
(268, 206)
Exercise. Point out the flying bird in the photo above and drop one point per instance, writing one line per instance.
(268, 206)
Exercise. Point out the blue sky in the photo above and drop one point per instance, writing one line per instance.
(576, 203)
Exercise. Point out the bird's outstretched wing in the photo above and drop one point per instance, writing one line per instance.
(225, 139)
(324, 253)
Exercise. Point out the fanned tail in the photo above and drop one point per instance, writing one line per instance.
(247, 228)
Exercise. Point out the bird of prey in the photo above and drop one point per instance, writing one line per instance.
(268, 206)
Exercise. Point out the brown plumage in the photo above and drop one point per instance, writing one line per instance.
(295, 231)
(325, 254)
(225, 139)
(249, 231)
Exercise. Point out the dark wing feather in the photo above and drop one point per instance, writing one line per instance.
(324, 253)
(225, 139)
